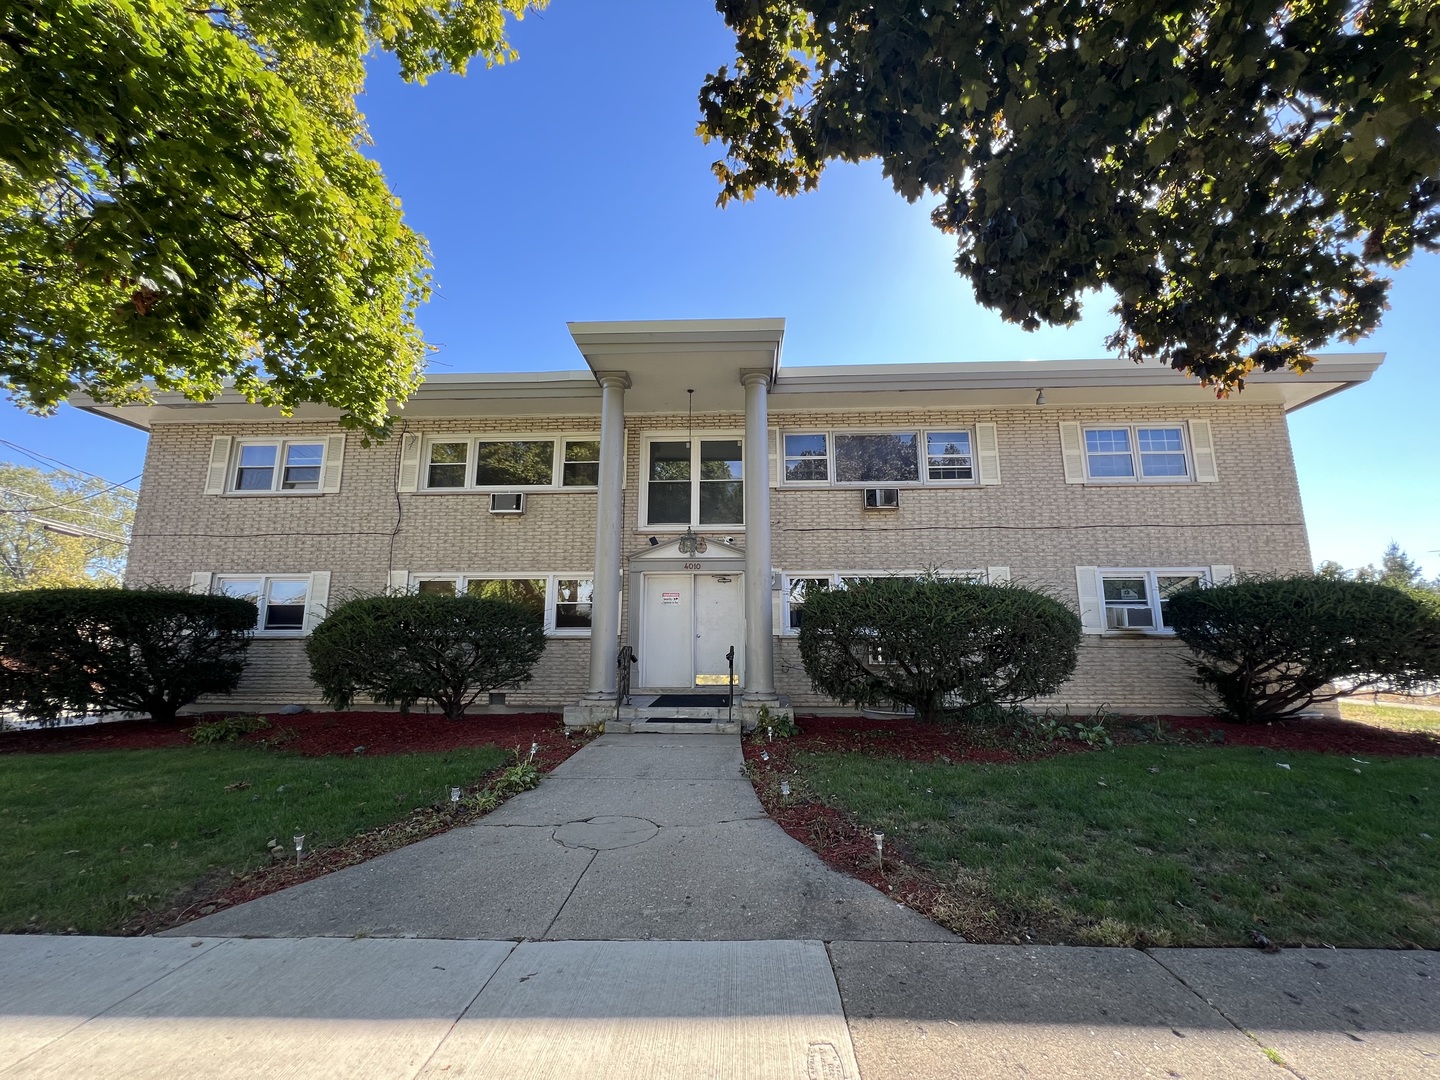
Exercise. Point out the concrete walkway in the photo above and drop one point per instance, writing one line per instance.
(638, 916)
(635, 837)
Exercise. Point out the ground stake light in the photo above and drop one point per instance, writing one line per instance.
(784, 787)
(454, 794)
(299, 839)
(880, 847)
(534, 749)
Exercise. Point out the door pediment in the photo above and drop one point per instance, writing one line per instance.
(708, 549)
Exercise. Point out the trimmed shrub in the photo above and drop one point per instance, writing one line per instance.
(118, 650)
(1272, 647)
(402, 649)
(934, 644)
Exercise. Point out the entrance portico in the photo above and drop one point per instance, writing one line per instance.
(686, 609)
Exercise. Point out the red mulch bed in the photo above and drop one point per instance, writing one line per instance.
(315, 734)
(1319, 736)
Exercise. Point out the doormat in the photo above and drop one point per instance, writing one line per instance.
(690, 701)
(679, 720)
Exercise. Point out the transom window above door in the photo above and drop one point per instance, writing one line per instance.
(694, 483)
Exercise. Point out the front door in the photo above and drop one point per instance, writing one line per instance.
(689, 622)
(719, 625)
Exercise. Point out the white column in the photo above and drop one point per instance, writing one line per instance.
(759, 622)
(609, 507)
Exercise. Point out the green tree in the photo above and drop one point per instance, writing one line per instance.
(61, 529)
(184, 198)
(1235, 171)
(1398, 570)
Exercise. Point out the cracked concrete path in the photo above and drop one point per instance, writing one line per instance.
(635, 837)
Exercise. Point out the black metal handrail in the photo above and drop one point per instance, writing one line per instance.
(730, 705)
(624, 660)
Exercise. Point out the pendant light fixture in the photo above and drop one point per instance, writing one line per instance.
(688, 541)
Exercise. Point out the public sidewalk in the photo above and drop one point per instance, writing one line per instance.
(638, 915)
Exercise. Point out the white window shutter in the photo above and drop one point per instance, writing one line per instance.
(409, 463)
(777, 612)
(219, 464)
(200, 582)
(399, 580)
(1087, 587)
(334, 464)
(316, 605)
(1204, 450)
(996, 574)
(1072, 450)
(1222, 575)
(987, 446)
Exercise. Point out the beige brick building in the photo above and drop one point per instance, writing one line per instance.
(1101, 482)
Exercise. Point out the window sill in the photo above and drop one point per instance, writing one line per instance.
(273, 494)
(504, 490)
(1123, 484)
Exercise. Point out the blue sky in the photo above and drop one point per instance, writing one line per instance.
(571, 186)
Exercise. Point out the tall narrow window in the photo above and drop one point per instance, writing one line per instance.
(256, 468)
(572, 603)
(722, 488)
(669, 483)
(581, 467)
(947, 455)
(448, 462)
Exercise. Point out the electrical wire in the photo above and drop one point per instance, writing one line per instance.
(50, 462)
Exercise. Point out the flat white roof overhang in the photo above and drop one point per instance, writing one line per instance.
(665, 359)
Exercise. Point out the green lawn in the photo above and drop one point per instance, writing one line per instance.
(1165, 845)
(1397, 717)
(88, 840)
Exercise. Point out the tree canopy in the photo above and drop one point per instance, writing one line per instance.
(184, 198)
(94, 518)
(1236, 171)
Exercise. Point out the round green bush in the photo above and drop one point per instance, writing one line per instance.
(934, 644)
(1266, 648)
(407, 648)
(118, 650)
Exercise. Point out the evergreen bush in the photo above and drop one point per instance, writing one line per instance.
(153, 651)
(400, 649)
(1266, 648)
(933, 643)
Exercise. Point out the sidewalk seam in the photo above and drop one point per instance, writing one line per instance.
(568, 897)
(1266, 1050)
(468, 1006)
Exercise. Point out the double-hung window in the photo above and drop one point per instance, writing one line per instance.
(561, 601)
(504, 464)
(1136, 452)
(281, 600)
(940, 456)
(278, 465)
(695, 483)
(1140, 599)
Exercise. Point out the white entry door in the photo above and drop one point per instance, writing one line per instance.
(667, 653)
(689, 623)
(719, 625)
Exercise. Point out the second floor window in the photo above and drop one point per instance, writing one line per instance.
(508, 464)
(278, 466)
(695, 484)
(1136, 453)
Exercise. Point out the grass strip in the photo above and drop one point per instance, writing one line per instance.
(1166, 845)
(92, 840)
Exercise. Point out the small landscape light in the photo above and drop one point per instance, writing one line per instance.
(454, 794)
(880, 846)
(534, 749)
(769, 734)
(299, 839)
(764, 755)
(784, 787)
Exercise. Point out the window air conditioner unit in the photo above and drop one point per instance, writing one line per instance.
(882, 498)
(507, 502)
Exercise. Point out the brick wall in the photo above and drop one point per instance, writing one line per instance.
(1033, 522)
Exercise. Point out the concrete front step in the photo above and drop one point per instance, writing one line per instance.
(673, 727)
(640, 718)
